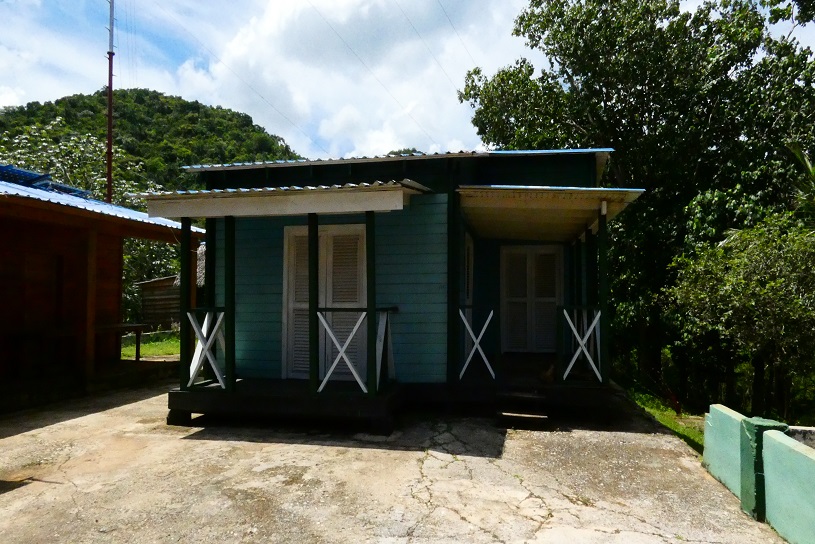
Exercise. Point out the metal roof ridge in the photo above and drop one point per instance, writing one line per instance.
(416, 156)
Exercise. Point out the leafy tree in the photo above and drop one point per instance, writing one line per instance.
(755, 292)
(404, 151)
(696, 105)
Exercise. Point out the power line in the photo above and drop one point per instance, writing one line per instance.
(242, 80)
(426, 46)
(456, 31)
(351, 49)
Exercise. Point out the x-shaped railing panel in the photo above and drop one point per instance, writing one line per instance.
(341, 354)
(203, 347)
(476, 345)
(582, 344)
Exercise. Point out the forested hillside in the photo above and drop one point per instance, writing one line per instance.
(162, 132)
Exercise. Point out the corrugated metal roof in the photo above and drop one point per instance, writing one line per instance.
(291, 189)
(380, 158)
(87, 204)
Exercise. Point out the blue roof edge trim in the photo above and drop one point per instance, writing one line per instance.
(555, 188)
(11, 189)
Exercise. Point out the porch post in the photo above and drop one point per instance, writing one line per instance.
(209, 263)
(578, 272)
(313, 302)
(453, 294)
(370, 278)
(602, 288)
(229, 301)
(185, 328)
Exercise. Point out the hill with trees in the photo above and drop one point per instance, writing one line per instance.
(160, 131)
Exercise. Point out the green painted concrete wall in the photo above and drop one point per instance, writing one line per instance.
(789, 478)
(411, 253)
(722, 455)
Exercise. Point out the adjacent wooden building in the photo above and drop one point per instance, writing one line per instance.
(61, 284)
(346, 287)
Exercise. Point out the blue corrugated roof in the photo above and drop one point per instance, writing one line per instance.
(22, 189)
(449, 154)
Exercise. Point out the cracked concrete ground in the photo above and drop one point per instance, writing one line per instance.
(107, 469)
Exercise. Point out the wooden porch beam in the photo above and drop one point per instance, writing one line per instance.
(185, 332)
(602, 291)
(229, 302)
(313, 302)
(370, 279)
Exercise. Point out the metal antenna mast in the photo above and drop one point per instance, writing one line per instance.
(109, 194)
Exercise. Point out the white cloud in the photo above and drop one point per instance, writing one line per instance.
(332, 77)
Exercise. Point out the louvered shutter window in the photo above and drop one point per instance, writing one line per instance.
(345, 287)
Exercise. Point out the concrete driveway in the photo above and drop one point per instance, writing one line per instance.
(107, 469)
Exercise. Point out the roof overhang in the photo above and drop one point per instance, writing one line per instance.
(61, 210)
(552, 214)
(283, 201)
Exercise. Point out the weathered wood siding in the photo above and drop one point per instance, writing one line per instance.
(411, 248)
(160, 301)
(411, 253)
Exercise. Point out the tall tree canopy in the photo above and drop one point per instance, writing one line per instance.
(698, 106)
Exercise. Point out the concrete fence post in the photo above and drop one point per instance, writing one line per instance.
(752, 463)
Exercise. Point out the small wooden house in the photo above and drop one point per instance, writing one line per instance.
(346, 287)
(61, 284)
(160, 300)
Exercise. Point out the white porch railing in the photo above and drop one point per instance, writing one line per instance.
(585, 338)
(212, 331)
(382, 336)
(476, 345)
(341, 354)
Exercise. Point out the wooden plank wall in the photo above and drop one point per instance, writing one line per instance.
(411, 257)
(411, 274)
(160, 302)
(43, 289)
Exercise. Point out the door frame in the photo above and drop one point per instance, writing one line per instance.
(530, 250)
(325, 261)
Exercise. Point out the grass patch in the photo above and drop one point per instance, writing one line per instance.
(689, 428)
(160, 346)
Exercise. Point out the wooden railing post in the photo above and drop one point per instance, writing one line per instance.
(185, 328)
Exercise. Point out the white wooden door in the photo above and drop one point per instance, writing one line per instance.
(341, 285)
(530, 294)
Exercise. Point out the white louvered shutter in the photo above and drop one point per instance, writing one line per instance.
(545, 302)
(298, 310)
(345, 289)
(516, 301)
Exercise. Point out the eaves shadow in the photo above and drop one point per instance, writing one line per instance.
(460, 436)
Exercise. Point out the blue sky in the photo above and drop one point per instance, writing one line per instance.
(332, 77)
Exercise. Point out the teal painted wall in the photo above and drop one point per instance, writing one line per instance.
(411, 252)
(789, 477)
(722, 455)
(258, 294)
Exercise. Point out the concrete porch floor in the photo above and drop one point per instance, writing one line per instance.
(108, 469)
